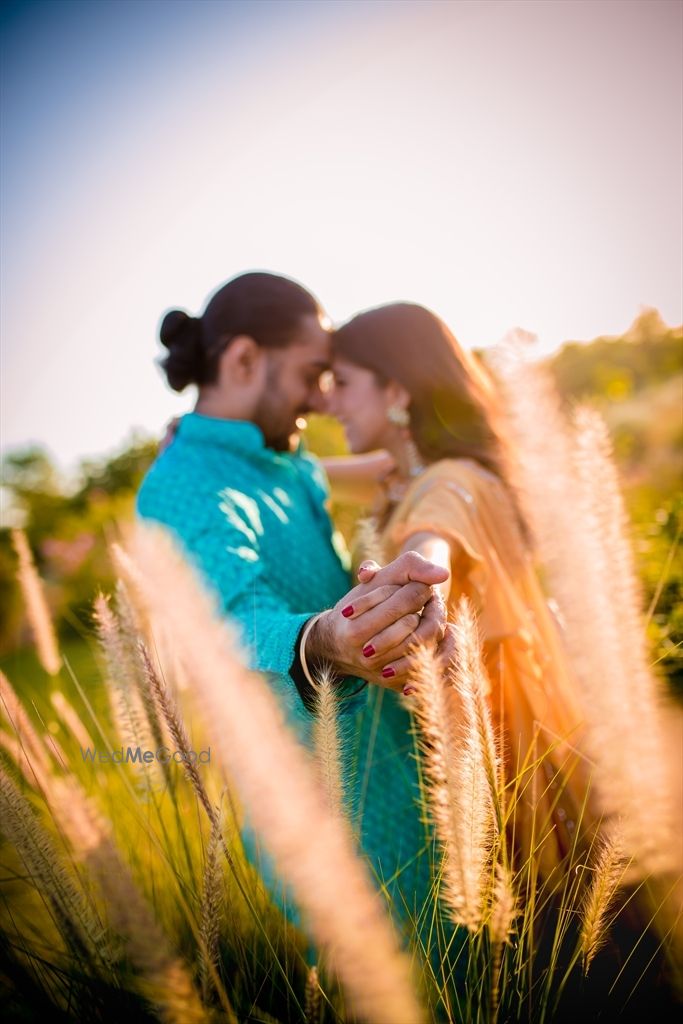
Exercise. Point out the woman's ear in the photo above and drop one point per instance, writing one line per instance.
(397, 395)
(242, 360)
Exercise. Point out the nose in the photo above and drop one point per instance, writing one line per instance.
(317, 401)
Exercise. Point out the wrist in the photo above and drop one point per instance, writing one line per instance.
(320, 642)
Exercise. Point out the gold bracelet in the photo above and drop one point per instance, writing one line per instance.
(302, 649)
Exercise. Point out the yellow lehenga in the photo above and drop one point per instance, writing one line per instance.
(533, 698)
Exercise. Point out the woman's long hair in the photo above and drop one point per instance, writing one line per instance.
(455, 409)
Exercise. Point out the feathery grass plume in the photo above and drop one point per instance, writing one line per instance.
(37, 610)
(128, 711)
(569, 493)
(170, 714)
(628, 732)
(368, 541)
(32, 772)
(456, 747)
(608, 873)
(328, 753)
(312, 997)
(71, 720)
(74, 915)
(468, 671)
(275, 781)
(211, 908)
(164, 980)
(478, 760)
(27, 736)
(502, 917)
(132, 627)
(543, 476)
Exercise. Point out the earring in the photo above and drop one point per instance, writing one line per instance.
(415, 463)
(401, 418)
(398, 416)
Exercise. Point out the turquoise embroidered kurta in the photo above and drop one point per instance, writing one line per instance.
(255, 523)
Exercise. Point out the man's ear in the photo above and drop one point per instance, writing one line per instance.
(242, 360)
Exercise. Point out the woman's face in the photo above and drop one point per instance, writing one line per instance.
(360, 403)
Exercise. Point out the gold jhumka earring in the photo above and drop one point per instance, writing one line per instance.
(401, 418)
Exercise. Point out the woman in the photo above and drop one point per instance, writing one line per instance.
(403, 385)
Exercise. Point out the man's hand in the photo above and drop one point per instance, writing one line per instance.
(171, 428)
(370, 631)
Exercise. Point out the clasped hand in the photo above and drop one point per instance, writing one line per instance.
(370, 631)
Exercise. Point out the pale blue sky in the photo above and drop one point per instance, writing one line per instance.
(504, 162)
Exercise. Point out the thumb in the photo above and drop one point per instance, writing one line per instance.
(367, 570)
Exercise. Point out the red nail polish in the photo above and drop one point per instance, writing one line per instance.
(368, 650)
(408, 690)
(348, 611)
(388, 672)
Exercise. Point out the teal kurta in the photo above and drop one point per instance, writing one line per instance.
(255, 523)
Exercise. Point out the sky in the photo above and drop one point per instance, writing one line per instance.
(512, 163)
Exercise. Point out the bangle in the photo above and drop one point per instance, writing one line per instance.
(302, 649)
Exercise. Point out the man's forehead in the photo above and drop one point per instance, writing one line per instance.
(313, 343)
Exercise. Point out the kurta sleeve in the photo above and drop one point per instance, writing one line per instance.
(223, 544)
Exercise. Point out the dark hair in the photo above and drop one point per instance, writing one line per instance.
(267, 307)
(452, 400)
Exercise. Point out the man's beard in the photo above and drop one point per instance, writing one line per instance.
(284, 444)
(276, 436)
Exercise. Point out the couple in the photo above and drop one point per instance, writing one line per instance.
(249, 507)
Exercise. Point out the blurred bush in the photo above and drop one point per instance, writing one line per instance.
(68, 528)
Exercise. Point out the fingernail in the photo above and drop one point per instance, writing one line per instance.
(348, 611)
(388, 672)
(368, 650)
(407, 690)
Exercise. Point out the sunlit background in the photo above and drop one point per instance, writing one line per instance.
(503, 162)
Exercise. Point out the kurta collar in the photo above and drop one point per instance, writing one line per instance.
(236, 436)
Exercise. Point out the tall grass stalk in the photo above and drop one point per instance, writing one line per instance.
(164, 980)
(627, 728)
(568, 489)
(326, 739)
(504, 910)
(211, 911)
(26, 736)
(608, 873)
(460, 769)
(127, 706)
(73, 914)
(71, 719)
(37, 610)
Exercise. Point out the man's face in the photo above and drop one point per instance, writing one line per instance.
(292, 383)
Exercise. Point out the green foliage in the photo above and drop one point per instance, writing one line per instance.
(658, 524)
(615, 368)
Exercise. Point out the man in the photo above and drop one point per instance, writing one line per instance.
(249, 508)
